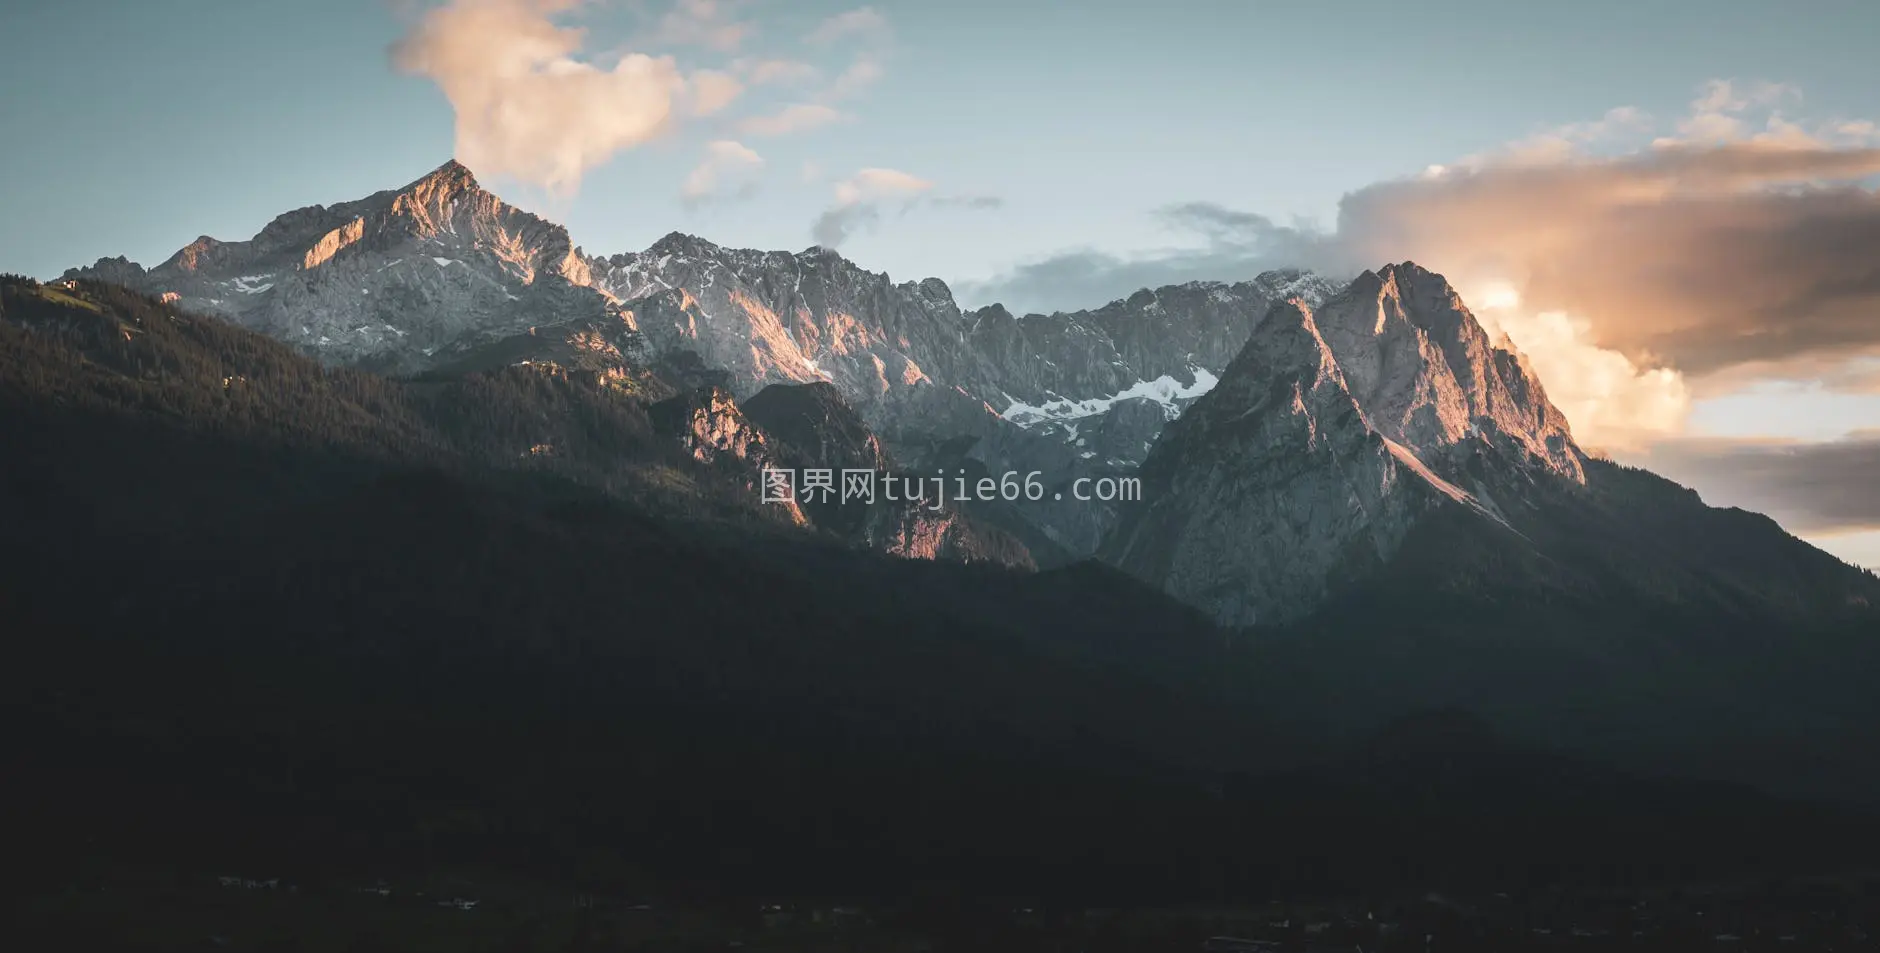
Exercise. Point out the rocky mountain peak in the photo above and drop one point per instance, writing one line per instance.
(711, 428)
(442, 273)
(1429, 376)
(389, 279)
(1273, 486)
(816, 427)
(117, 270)
(1329, 438)
(452, 176)
(1288, 340)
(194, 255)
(992, 312)
(821, 253)
(681, 243)
(935, 290)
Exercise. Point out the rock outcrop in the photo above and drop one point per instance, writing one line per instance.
(387, 281)
(442, 276)
(1329, 439)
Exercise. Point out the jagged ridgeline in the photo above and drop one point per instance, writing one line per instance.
(419, 443)
(316, 620)
(442, 276)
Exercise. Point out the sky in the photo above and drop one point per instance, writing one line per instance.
(1669, 208)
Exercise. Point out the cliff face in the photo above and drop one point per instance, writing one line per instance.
(1272, 485)
(386, 281)
(442, 276)
(1329, 439)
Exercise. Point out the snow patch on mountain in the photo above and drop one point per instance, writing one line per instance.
(1164, 390)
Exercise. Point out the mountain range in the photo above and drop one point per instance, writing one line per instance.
(424, 428)
(442, 274)
(1391, 376)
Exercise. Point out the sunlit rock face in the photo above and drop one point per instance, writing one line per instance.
(442, 276)
(813, 428)
(778, 317)
(411, 278)
(1328, 440)
(1258, 494)
(1067, 374)
(708, 426)
(1066, 396)
(1429, 377)
(386, 281)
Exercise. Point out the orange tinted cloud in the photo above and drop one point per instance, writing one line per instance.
(1726, 245)
(526, 105)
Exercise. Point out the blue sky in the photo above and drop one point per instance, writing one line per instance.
(136, 126)
(157, 122)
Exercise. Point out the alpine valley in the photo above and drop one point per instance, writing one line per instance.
(413, 530)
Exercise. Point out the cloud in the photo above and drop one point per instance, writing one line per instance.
(1612, 403)
(867, 27)
(707, 23)
(859, 200)
(1704, 257)
(1809, 487)
(797, 117)
(526, 105)
(712, 91)
(1742, 241)
(864, 25)
(529, 104)
(1716, 115)
(1859, 377)
(1563, 142)
(861, 74)
(974, 202)
(1232, 245)
(1745, 238)
(727, 165)
(774, 72)
(864, 22)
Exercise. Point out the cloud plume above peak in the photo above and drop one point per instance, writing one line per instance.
(532, 105)
(527, 106)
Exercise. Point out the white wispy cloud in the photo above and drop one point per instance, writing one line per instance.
(864, 22)
(709, 23)
(728, 167)
(775, 72)
(713, 91)
(797, 117)
(873, 37)
(860, 200)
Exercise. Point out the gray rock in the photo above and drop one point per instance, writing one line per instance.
(443, 276)
(387, 281)
(1328, 440)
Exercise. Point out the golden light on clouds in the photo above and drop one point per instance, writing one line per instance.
(1611, 402)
